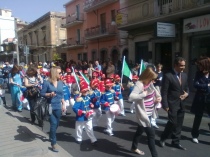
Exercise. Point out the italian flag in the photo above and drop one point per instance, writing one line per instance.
(142, 67)
(85, 78)
(125, 69)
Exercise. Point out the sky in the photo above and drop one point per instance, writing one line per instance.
(30, 10)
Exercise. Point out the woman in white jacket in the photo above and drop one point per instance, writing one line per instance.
(145, 97)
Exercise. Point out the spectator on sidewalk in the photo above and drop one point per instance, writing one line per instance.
(110, 69)
(53, 90)
(15, 84)
(6, 70)
(200, 103)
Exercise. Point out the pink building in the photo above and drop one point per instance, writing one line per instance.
(92, 31)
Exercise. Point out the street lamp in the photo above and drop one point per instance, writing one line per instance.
(15, 41)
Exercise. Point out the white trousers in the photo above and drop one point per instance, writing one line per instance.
(110, 119)
(88, 128)
(121, 103)
(97, 116)
(132, 106)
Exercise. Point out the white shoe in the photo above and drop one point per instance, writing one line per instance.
(110, 133)
(131, 111)
(195, 140)
(155, 126)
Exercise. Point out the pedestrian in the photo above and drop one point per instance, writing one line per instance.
(174, 93)
(200, 101)
(15, 84)
(2, 95)
(6, 70)
(145, 96)
(107, 100)
(53, 90)
(83, 109)
(31, 81)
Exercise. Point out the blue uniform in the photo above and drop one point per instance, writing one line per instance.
(108, 96)
(118, 90)
(66, 92)
(95, 96)
(81, 104)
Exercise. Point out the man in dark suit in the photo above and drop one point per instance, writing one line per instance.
(174, 92)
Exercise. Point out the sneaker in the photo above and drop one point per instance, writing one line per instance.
(123, 114)
(195, 140)
(54, 148)
(131, 111)
(110, 133)
(137, 151)
(155, 126)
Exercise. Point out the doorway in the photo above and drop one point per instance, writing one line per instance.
(104, 55)
(141, 52)
(114, 56)
(163, 55)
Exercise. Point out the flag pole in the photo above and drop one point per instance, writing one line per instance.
(140, 70)
(122, 69)
(76, 78)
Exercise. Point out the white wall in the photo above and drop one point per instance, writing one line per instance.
(7, 28)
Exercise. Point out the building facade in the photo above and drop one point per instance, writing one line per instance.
(7, 34)
(157, 30)
(92, 32)
(43, 37)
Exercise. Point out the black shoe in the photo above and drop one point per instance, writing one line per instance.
(162, 143)
(179, 146)
(94, 143)
(209, 125)
(79, 142)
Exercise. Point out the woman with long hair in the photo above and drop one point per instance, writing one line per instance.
(145, 97)
(31, 81)
(53, 90)
(15, 84)
(199, 105)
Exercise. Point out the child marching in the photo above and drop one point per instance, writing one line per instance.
(84, 113)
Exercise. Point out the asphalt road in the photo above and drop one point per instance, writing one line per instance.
(124, 129)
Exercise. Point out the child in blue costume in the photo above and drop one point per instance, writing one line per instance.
(83, 108)
(95, 96)
(107, 99)
(118, 88)
(131, 86)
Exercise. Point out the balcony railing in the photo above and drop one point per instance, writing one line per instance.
(150, 10)
(91, 5)
(98, 31)
(72, 20)
(74, 43)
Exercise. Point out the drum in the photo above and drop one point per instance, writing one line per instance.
(114, 108)
(72, 102)
(90, 114)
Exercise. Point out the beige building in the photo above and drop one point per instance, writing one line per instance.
(43, 36)
(160, 30)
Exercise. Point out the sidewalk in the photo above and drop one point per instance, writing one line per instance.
(21, 139)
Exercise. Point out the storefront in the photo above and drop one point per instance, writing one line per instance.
(197, 31)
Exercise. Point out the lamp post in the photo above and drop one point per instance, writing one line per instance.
(15, 41)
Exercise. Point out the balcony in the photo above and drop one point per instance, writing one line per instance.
(98, 32)
(72, 20)
(74, 43)
(149, 11)
(91, 5)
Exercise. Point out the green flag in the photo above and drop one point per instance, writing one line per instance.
(143, 67)
(85, 78)
(125, 69)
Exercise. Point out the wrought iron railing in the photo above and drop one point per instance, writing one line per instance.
(98, 30)
(149, 9)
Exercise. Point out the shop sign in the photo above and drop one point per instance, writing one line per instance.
(196, 24)
(119, 19)
(165, 29)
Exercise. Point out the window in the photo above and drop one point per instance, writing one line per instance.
(79, 56)
(113, 15)
(84, 56)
